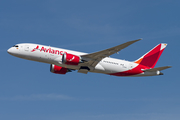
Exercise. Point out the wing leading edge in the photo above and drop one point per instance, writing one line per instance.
(92, 59)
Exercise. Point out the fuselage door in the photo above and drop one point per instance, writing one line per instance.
(26, 47)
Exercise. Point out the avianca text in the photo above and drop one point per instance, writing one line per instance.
(50, 50)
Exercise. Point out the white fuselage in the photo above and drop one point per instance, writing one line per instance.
(53, 55)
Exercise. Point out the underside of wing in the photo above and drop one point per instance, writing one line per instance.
(92, 59)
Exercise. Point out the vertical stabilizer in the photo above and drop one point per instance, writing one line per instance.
(150, 59)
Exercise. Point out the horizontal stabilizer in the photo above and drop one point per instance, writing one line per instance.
(157, 69)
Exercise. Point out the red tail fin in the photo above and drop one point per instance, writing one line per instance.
(150, 59)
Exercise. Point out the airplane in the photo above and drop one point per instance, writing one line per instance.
(63, 61)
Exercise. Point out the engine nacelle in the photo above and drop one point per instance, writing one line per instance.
(57, 69)
(70, 59)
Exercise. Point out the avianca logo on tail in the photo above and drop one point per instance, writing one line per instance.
(150, 59)
(49, 50)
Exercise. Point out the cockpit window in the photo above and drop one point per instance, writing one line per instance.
(15, 46)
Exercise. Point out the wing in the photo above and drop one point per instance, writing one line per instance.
(92, 59)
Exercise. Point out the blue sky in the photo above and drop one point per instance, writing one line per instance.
(29, 91)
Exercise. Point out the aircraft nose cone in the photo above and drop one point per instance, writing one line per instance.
(10, 51)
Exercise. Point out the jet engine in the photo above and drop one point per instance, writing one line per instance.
(58, 70)
(70, 59)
